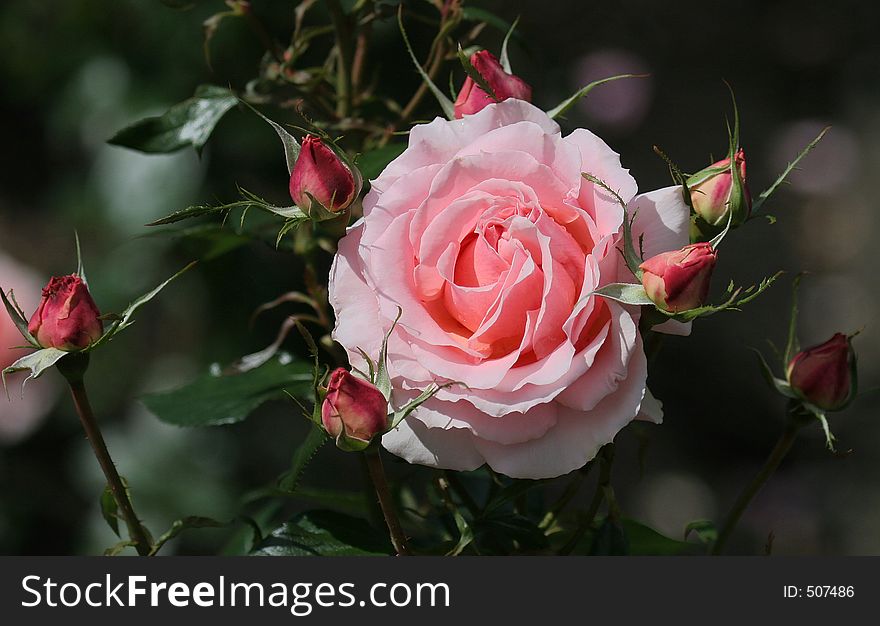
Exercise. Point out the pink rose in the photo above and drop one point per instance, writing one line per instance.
(20, 413)
(486, 236)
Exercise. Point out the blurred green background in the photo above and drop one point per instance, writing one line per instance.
(73, 73)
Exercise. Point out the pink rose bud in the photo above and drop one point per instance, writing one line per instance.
(354, 410)
(472, 98)
(713, 192)
(679, 280)
(823, 374)
(321, 174)
(67, 317)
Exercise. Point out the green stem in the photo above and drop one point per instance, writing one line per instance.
(745, 497)
(380, 483)
(567, 496)
(606, 460)
(346, 58)
(139, 535)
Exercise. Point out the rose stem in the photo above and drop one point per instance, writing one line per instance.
(776, 456)
(606, 459)
(346, 57)
(380, 483)
(136, 530)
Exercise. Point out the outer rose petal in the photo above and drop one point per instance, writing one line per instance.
(573, 441)
(357, 311)
(664, 220)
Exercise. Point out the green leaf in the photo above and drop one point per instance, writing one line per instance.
(705, 530)
(445, 103)
(35, 362)
(303, 454)
(465, 534)
(624, 292)
(777, 384)
(403, 412)
(764, 195)
(215, 400)
(644, 540)
(325, 533)
(373, 162)
(124, 320)
(249, 200)
(793, 346)
(188, 123)
(569, 102)
(110, 510)
(17, 316)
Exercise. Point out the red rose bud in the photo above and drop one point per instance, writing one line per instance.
(713, 192)
(321, 174)
(679, 280)
(354, 410)
(67, 317)
(472, 98)
(823, 374)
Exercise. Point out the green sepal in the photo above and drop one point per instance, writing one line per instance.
(569, 102)
(35, 362)
(504, 59)
(291, 145)
(17, 316)
(765, 195)
(625, 293)
(738, 297)
(632, 258)
(475, 76)
(445, 103)
(124, 320)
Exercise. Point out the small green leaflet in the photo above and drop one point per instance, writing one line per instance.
(37, 362)
(625, 293)
(569, 102)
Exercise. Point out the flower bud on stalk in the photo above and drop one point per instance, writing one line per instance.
(823, 374)
(67, 317)
(320, 175)
(472, 98)
(679, 280)
(713, 192)
(354, 411)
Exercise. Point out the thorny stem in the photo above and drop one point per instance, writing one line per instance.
(380, 483)
(136, 530)
(786, 440)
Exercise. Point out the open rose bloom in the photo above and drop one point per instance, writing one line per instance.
(487, 237)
